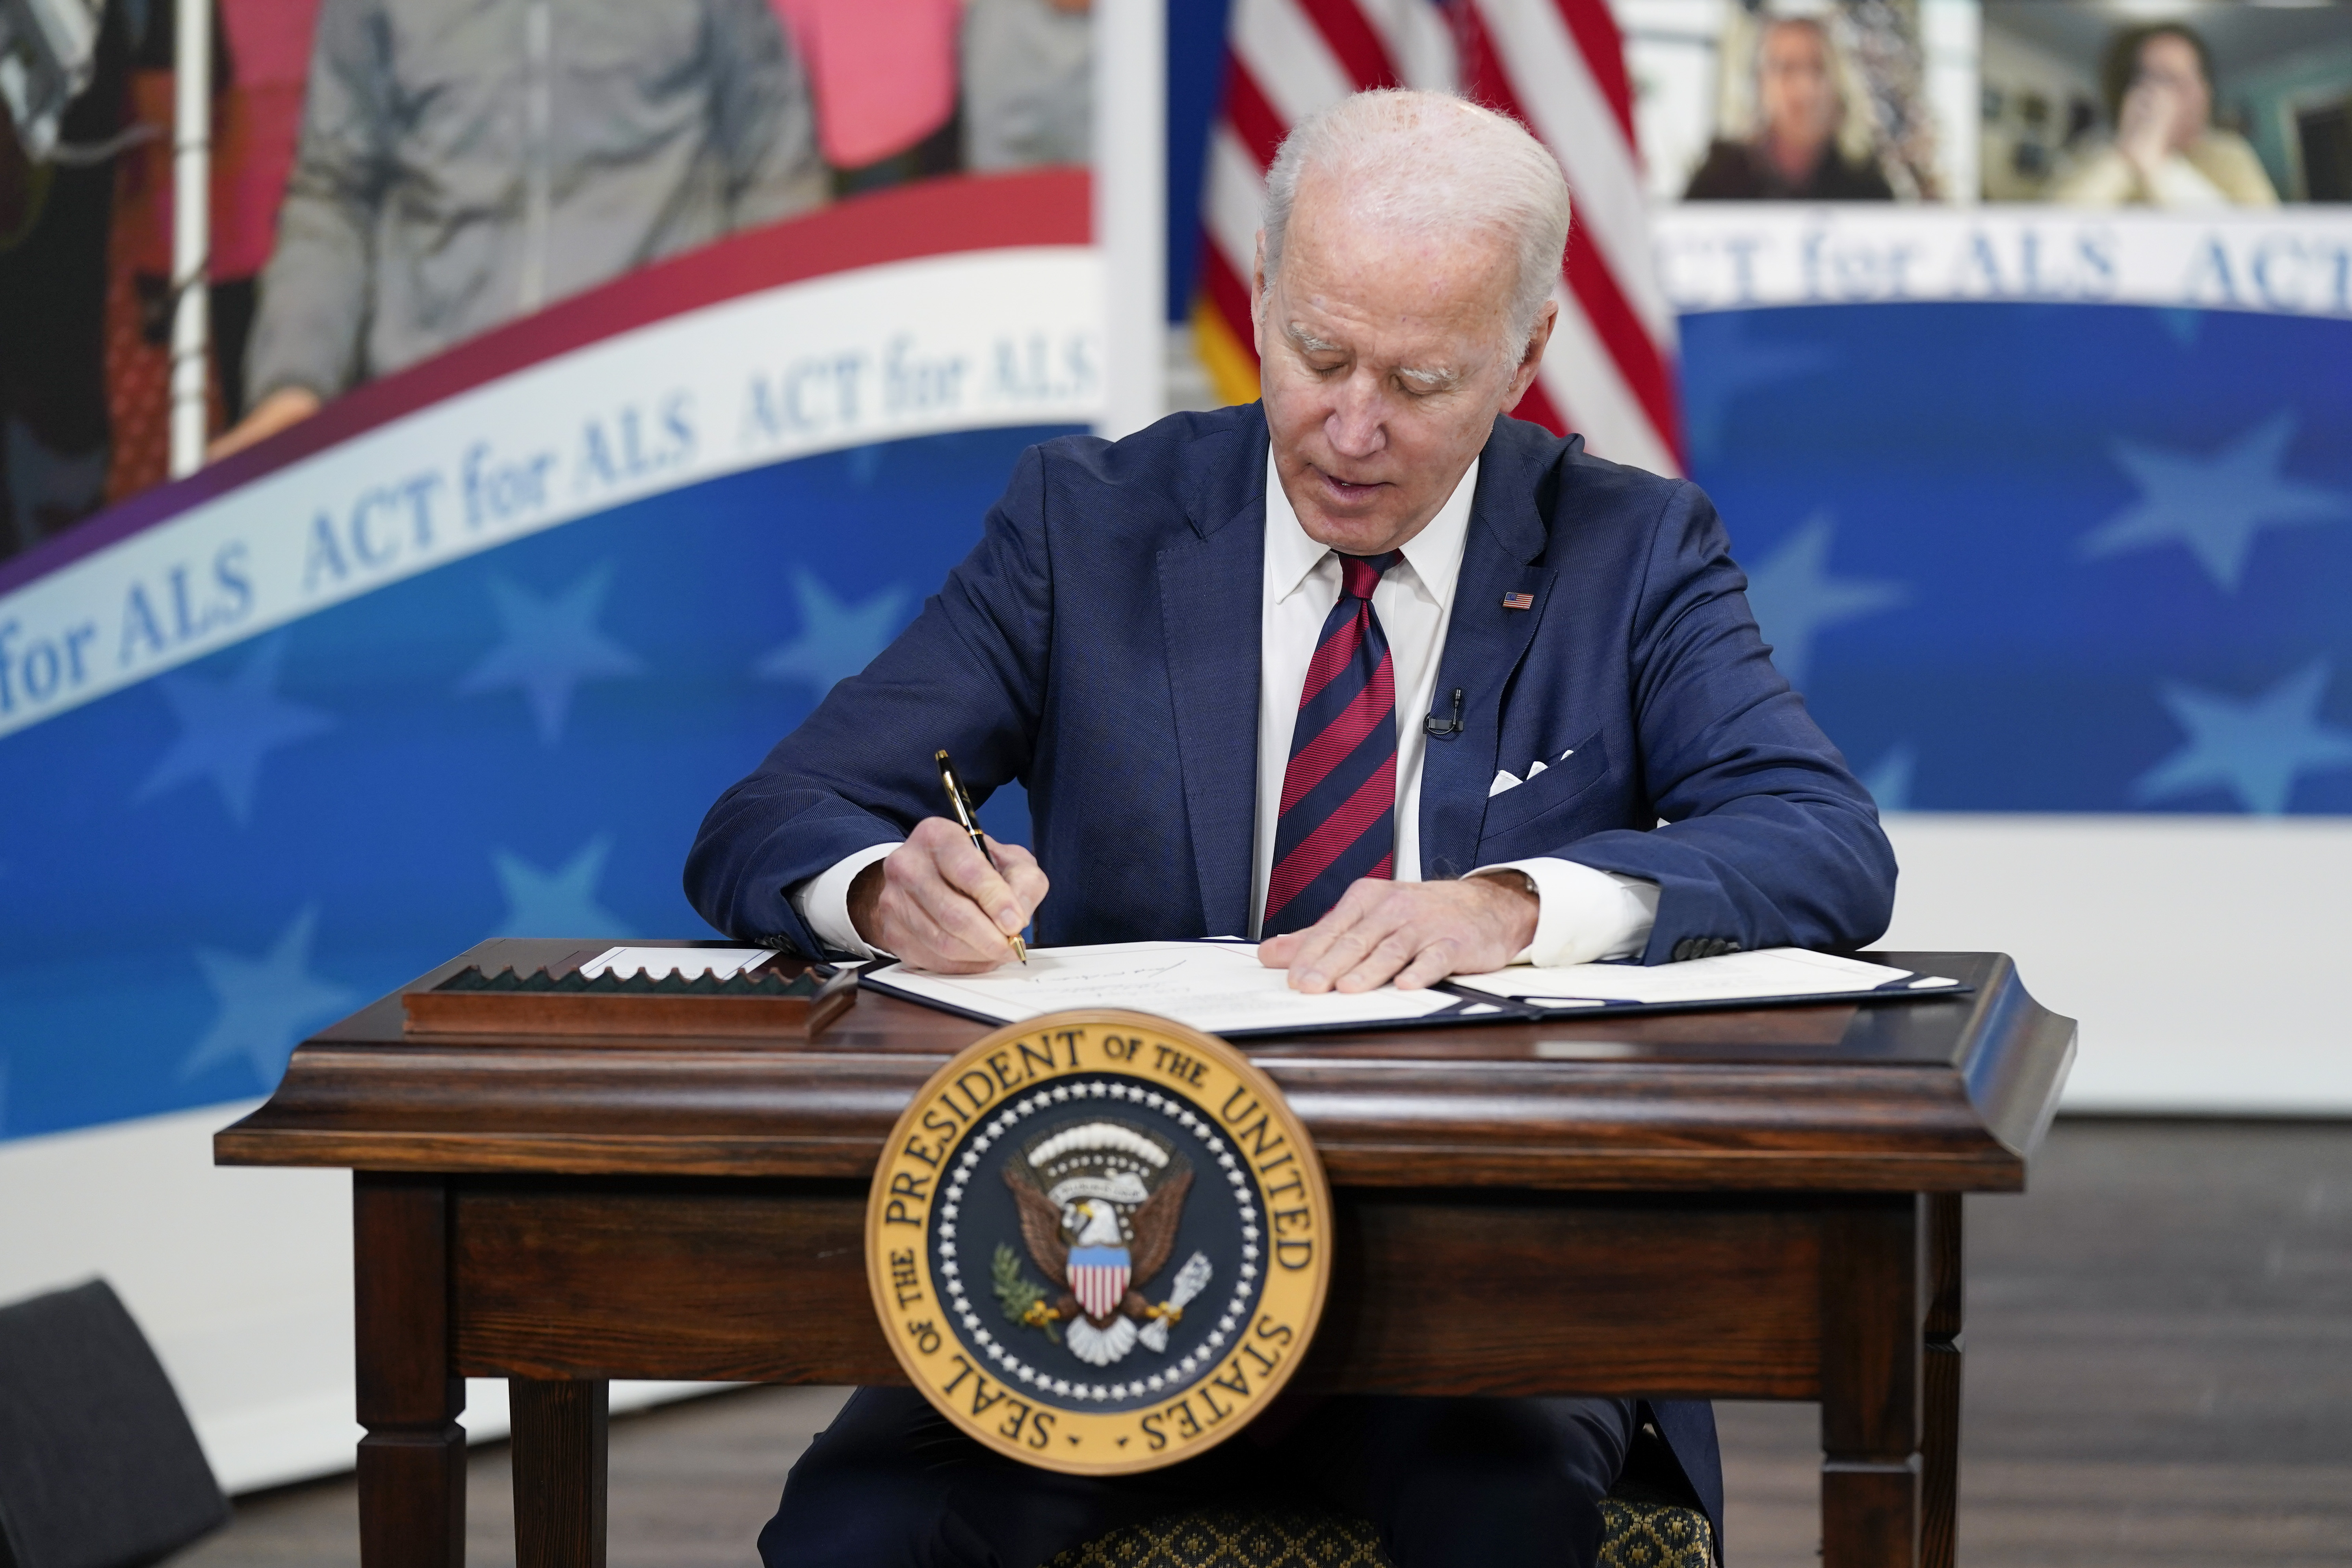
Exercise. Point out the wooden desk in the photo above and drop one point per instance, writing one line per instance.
(1754, 1205)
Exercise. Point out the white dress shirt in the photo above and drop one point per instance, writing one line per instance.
(1584, 914)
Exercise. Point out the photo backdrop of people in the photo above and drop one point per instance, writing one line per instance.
(391, 177)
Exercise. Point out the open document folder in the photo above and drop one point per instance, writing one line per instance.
(1220, 986)
(1775, 974)
(1216, 986)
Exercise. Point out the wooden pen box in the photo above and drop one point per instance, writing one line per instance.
(781, 1000)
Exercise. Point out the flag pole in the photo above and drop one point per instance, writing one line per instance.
(1130, 208)
(192, 117)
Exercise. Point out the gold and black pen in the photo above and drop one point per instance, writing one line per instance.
(961, 804)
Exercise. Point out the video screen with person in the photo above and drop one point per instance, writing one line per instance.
(1811, 100)
(2183, 107)
(2159, 105)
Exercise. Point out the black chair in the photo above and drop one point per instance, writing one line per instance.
(98, 1466)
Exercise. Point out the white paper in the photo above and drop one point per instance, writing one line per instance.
(693, 963)
(1775, 972)
(1219, 988)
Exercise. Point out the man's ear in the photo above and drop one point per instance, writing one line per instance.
(1531, 360)
(1257, 297)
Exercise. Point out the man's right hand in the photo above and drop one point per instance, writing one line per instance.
(937, 903)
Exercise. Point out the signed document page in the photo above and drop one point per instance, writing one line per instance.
(1216, 986)
(1773, 974)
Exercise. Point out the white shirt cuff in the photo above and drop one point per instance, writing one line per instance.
(822, 901)
(1583, 914)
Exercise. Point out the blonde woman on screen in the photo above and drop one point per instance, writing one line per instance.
(1794, 152)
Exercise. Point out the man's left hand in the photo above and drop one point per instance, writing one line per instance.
(1414, 933)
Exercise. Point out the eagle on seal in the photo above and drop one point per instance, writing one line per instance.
(1099, 1206)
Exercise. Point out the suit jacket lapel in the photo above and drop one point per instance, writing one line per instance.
(1210, 591)
(1484, 645)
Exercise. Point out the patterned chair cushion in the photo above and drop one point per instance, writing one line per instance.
(1637, 1531)
(1234, 1537)
(1653, 1532)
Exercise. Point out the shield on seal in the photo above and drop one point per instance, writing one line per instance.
(1098, 1279)
(1109, 1191)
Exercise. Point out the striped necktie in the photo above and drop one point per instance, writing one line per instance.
(1337, 818)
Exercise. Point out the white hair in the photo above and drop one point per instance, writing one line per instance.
(1422, 163)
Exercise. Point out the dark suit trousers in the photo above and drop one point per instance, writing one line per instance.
(1449, 1483)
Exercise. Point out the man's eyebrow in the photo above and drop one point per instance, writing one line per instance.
(1433, 379)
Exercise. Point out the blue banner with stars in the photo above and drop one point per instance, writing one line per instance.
(2019, 557)
(201, 868)
(2047, 557)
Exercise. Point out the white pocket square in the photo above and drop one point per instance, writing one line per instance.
(1504, 779)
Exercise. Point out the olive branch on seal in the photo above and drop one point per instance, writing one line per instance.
(1023, 1301)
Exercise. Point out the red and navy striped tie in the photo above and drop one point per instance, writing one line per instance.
(1337, 818)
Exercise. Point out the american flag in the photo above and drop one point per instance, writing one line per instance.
(1555, 66)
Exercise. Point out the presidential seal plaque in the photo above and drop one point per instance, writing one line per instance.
(1099, 1241)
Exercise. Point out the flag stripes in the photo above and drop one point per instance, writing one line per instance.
(1559, 67)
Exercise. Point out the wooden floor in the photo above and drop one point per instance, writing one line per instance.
(2159, 1375)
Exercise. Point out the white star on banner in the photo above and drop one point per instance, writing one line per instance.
(550, 646)
(1796, 599)
(227, 727)
(2214, 506)
(2255, 748)
(267, 1004)
(561, 902)
(837, 639)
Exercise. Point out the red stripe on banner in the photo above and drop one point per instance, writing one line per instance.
(1252, 118)
(1627, 340)
(1358, 48)
(1228, 295)
(1603, 49)
(1327, 843)
(930, 217)
(1340, 738)
(1638, 358)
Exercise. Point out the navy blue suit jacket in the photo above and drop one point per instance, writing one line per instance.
(1100, 645)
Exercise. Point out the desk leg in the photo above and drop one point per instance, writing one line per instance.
(411, 1462)
(559, 1472)
(1871, 1342)
(1940, 1444)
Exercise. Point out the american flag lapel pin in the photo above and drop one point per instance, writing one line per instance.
(1518, 601)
